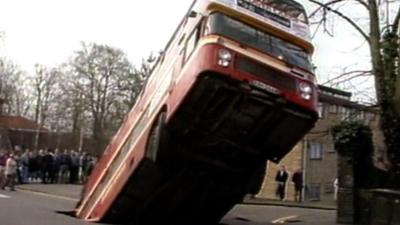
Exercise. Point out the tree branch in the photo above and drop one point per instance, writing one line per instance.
(363, 4)
(334, 2)
(396, 22)
(326, 4)
(352, 74)
(350, 21)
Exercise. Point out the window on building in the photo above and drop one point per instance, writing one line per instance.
(344, 113)
(315, 150)
(333, 109)
(314, 192)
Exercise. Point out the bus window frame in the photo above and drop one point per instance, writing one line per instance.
(199, 28)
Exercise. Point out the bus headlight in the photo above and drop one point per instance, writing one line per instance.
(224, 57)
(306, 90)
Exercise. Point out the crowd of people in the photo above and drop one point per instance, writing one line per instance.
(44, 166)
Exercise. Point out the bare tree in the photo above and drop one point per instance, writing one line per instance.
(105, 80)
(44, 87)
(382, 36)
(44, 84)
(12, 88)
(131, 85)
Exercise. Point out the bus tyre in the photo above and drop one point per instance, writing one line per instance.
(157, 138)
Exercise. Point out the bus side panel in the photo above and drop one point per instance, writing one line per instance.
(119, 180)
(111, 151)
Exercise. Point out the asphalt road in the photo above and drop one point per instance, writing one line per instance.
(28, 208)
(257, 215)
(25, 208)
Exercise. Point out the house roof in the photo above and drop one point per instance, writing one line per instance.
(334, 91)
(338, 97)
(19, 123)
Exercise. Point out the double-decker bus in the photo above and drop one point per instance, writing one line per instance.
(234, 87)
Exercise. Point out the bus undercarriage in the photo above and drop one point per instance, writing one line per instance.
(209, 154)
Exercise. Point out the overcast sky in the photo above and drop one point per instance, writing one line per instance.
(49, 31)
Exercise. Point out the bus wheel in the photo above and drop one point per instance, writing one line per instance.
(157, 140)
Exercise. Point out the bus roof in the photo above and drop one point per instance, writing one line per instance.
(258, 21)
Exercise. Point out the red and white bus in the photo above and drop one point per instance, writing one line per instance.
(233, 88)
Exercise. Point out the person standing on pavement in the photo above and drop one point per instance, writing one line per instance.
(3, 161)
(17, 158)
(55, 167)
(297, 179)
(47, 164)
(83, 164)
(10, 173)
(25, 166)
(335, 188)
(281, 178)
(74, 168)
(92, 160)
(65, 163)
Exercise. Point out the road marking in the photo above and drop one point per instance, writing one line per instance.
(4, 196)
(284, 219)
(49, 195)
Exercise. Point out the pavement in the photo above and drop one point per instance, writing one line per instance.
(285, 203)
(72, 192)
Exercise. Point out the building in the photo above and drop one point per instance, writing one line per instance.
(14, 128)
(25, 133)
(315, 154)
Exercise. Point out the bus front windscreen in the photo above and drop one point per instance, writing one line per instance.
(247, 35)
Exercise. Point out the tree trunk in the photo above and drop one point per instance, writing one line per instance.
(383, 67)
(98, 136)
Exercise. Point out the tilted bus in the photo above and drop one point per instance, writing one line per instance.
(234, 87)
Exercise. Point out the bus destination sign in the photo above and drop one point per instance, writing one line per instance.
(259, 7)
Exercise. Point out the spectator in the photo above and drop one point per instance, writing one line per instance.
(39, 165)
(55, 167)
(281, 178)
(74, 167)
(32, 168)
(90, 166)
(83, 163)
(10, 173)
(65, 163)
(25, 166)
(298, 184)
(335, 188)
(46, 165)
(17, 158)
(3, 161)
